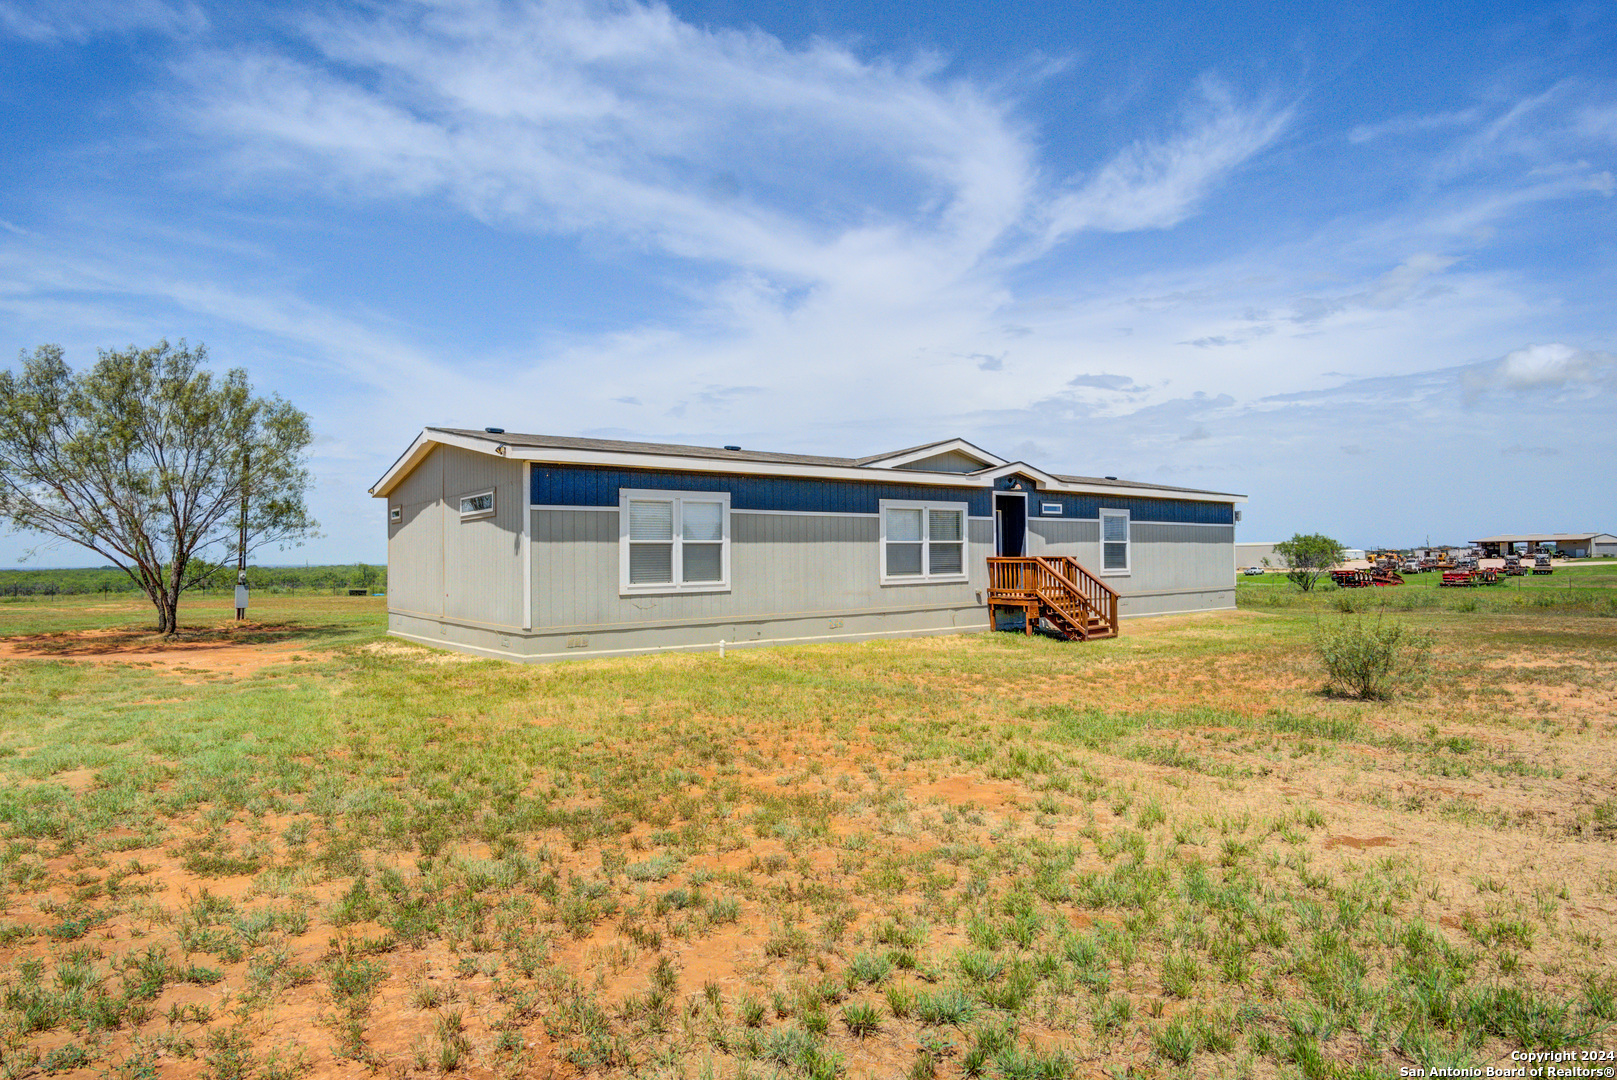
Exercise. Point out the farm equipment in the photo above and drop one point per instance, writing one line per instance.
(1513, 566)
(1364, 579)
(1541, 564)
(1471, 577)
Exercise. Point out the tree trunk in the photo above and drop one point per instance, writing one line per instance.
(167, 605)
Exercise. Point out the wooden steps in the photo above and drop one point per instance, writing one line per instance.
(1054, 590)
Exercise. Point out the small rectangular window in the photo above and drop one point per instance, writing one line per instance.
(673, 541)
(1114, 537)
(922, 541)
(395, 513)
(477, 505)
(1051, 509)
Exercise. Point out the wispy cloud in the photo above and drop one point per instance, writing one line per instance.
(1412, 124)
(49, 21)
(1157, 184)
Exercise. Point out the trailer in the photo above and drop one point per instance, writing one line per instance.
(1364, 579)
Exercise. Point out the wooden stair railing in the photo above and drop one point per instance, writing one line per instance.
(1057, 589)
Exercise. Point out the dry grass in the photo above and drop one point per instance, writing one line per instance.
(956, 856)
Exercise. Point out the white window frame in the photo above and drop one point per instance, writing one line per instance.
(1128, 542)
(473, 515)
(1050, 509)
(626, 588)
(924, 577)
(395, 513)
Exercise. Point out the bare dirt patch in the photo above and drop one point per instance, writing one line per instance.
(1358, 843)
(236, 649)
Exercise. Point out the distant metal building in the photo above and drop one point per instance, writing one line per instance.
(1566, 545)
(1256, 553)
(535, 547)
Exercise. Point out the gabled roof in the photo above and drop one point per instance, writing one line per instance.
(896, 458)
(565, 449)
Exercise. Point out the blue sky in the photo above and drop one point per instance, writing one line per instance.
(1355, 261)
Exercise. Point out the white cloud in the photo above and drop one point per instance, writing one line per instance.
(866, 254)
(53, 21)
(1552, 365)
(1411, 124)
(1156, 185)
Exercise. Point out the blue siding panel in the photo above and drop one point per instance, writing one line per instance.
(573, 485)
(1171, 511)
(582, 485)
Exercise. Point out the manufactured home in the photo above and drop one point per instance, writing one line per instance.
(538, 547)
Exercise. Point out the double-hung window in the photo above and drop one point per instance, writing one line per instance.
(922, 541)
(673, 541)
(1114, 541)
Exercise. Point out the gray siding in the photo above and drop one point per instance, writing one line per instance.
(953, 461)
(780, 565)
(439, 565)
(415, 545)
(483, 576)
(1172, 567)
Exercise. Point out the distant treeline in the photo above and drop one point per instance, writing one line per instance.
(273, 579)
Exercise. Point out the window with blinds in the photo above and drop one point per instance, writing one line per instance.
(923, 541)
(1114, 541)
(674, 541)
(477, 505)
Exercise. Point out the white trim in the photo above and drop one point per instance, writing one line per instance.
(476, 515)
(1045, 509)
(921, 453)
(807, 513)
(678, 463)
(1135, 521)
(999, 526)
(677, 542)
(777, 513)
(1173, 524)
(395, 513)
(639, 650)
(924, 577)
(527, 571)
(1185, 611)
(1128, 542)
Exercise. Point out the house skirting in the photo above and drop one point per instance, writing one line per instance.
(538, 646)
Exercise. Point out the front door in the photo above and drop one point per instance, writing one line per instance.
(1010, 525)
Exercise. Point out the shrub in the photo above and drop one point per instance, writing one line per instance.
(1373, 660)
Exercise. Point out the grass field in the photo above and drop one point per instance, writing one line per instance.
(299, 848)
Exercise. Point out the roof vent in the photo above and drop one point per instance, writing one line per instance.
(1111, 478)
(495, 430)
(732, 447)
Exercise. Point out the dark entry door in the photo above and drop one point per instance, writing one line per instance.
(1010, 525)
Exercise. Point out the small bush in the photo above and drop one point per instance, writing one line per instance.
(1375, 660)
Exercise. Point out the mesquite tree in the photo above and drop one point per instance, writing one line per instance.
(1308, 558)
(144, 459)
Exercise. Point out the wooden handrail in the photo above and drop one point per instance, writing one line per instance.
(1058, 584)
